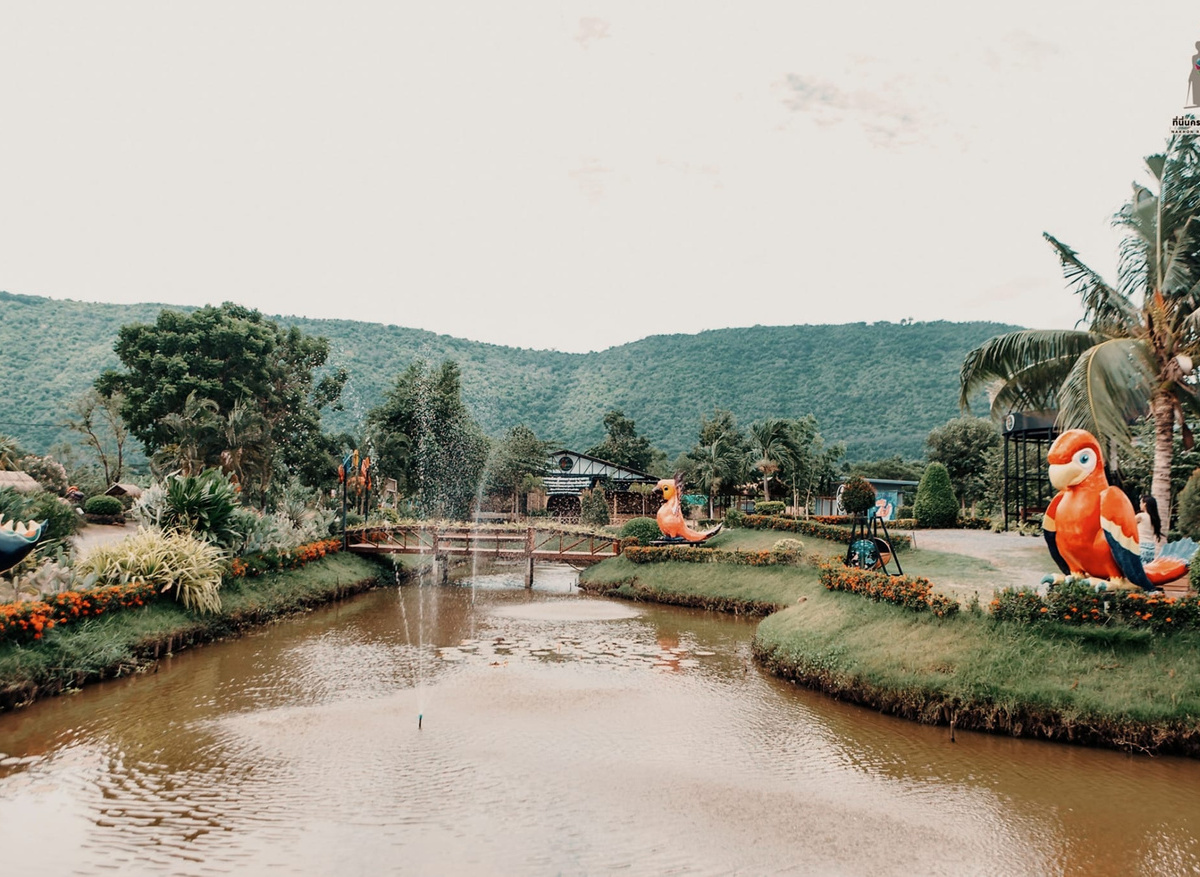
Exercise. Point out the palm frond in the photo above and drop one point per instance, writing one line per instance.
(1104, 307)
(1109, 386)
(1041, 356)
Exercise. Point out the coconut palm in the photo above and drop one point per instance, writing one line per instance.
(773, 443)
(716, 465)
(1135, 358)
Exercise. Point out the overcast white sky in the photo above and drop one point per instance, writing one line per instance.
(579, 174)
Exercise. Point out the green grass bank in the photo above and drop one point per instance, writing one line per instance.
(131, 641)
(1114, 687)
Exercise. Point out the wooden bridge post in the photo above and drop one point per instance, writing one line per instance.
(529, 543)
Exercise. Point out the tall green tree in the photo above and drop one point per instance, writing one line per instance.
(773, 445)
(228, 355)
(814, 462)
(721, 457)
(516, 461)
(622, 445)
(1143, 335)
(964, 446)
(441, 460)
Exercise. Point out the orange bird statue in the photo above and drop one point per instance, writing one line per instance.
(1090, 527)
(670, 515)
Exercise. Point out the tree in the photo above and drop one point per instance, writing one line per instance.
(623, 445)
(444, 453)
(593, 507)
(715, 467)
(935, 505)
(194, 432)
(1137, 354)
(773, 443)
(515, 461)
(813, 462)
(226, 355)
(97, 418)
(720, 458)
(964, 446)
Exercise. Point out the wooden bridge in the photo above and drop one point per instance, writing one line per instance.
(529, 544)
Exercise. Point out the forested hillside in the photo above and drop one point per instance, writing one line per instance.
(879, 388)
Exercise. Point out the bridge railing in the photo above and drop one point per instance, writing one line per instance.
(530, 542)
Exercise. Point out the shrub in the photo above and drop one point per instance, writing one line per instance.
(857, 495)
(172, 561)
(788, 550)
(970, 522)
(47, 472)
(1022, 605)
(593, 507)
(644, 530)
(61, 519)
(773, 507)
(735, 518)
(103, 506)
(935, 505)
(905, 511)
(1189, 508)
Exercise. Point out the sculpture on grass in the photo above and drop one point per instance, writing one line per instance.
(17, 539)
(1090, 527)
(671, 520)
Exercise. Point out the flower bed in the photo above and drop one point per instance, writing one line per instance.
(29, 620)
(832, 532)
(257, 564)
(915, 594)
(21, 622)
(1079, 603)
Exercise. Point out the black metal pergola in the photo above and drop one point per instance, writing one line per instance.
(1027, 439)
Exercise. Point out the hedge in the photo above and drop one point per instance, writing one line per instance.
(832, 532)
(688, 554)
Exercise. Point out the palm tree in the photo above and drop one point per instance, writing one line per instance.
(773, 442)
(717, 464)
(1137, 355)
(196, 430)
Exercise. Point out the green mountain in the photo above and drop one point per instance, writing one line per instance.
(878, 387)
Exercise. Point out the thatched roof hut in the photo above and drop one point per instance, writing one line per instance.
(120, 488)
(21, 481)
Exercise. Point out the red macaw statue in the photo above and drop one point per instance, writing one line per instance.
(1090, 527)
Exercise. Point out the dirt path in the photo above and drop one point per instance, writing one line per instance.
(100, 534)
(1019, 561)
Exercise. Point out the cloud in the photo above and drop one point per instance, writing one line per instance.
(590, 30)
(1020, 49)
(886, 120)
(592, 178)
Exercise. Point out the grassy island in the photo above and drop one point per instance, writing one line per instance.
(131, 640)
(1107, 686)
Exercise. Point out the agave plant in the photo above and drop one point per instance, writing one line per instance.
(202, 504)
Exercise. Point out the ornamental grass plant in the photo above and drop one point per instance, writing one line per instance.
(177, 562)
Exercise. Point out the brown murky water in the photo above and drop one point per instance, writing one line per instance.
(561, 735)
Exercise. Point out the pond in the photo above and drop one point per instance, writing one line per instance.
(558, 733)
